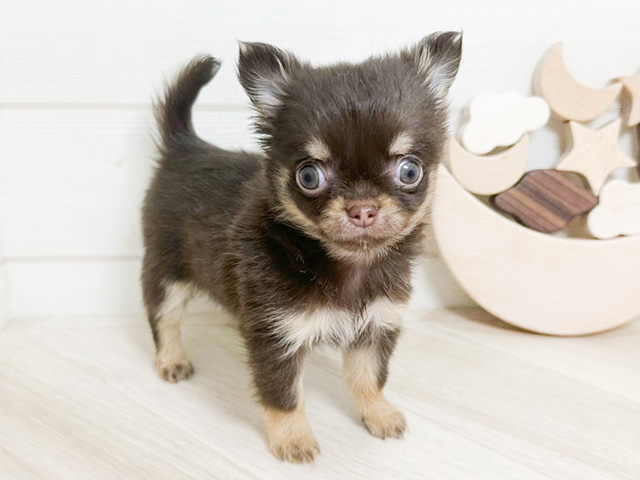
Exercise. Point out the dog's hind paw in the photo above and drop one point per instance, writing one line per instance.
(173, 372)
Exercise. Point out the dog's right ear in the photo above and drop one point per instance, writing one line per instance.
(263, 71)
(437, 57)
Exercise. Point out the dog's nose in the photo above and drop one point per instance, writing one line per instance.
(363, 215)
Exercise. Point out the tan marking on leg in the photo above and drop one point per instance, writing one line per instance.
(289, 435)
(380, 417)
(171, 362)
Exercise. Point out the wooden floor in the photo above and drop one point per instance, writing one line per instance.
(79, 398)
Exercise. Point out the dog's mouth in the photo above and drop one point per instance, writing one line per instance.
(363, 248)
(340, 234)
(363, 240)
(348, 234)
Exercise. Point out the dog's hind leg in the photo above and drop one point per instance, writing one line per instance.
(165, 301)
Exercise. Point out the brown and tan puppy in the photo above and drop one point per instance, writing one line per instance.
(310, 242)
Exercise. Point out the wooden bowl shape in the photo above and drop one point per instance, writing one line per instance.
(539, 282)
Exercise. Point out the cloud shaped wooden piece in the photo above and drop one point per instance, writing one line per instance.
(500, 120)
(618, 212)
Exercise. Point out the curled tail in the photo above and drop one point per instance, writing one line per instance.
(173, 112)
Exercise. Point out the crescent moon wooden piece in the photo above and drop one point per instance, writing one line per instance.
(567, 98)
(491, 174)
(632, 86)
(538, 282)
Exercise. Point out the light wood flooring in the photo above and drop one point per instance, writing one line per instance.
(79, 399)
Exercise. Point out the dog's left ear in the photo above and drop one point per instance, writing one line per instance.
(263, 71)
(437, 57)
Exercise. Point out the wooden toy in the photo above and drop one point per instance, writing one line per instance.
(547, 200)
(595, 153)
(618, 212)
(539, 282)
(567, 98)
(500, 120)
(632, 87)
(490, 174)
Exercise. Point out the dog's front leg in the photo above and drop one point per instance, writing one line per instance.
(365, 369)
(277, 376)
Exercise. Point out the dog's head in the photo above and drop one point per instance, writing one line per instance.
(351, 147)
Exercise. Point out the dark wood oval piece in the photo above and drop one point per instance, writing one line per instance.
(547, 200)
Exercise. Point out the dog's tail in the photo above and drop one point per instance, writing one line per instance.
(173, 112)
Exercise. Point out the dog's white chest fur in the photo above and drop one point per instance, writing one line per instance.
(335, 326)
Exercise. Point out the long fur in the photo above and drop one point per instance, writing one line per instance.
(173, 113)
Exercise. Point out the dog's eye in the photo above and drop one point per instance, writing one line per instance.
(310, 177)
(409, 171)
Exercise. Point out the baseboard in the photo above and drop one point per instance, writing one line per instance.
(111, 287)
(4, 295)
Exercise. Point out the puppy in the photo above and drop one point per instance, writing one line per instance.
(310, 242)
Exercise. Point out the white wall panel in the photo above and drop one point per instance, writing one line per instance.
(77, 79)
(88, 147)
(77, 190)
(117, 52)
(111, 287)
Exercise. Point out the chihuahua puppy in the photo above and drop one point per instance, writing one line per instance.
(310, 242)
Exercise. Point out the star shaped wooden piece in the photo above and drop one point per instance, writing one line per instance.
(595, 153)
(632, 87)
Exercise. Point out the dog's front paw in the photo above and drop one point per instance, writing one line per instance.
(295, 449)
(383, 420)
(289, 435)
(174, 371)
